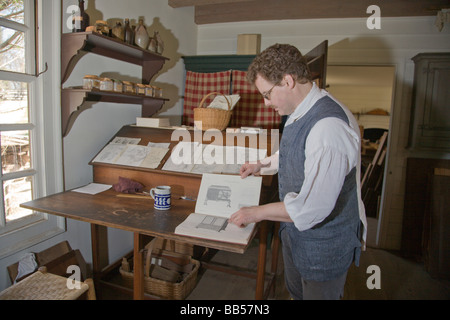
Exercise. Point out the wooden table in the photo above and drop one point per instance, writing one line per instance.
(138, 216)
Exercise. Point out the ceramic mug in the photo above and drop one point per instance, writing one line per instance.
(161, 195)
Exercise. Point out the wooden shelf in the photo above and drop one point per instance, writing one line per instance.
(73, 101)
(75, 45)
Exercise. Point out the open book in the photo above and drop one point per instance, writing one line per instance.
(219, 197)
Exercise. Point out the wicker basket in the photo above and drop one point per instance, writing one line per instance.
(163, 289)
(212, 118)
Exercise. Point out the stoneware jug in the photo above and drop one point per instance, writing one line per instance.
(141, 37)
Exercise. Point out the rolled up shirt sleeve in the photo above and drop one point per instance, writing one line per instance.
(331, 153)
(272, 163)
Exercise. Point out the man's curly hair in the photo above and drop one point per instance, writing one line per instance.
(277, 61)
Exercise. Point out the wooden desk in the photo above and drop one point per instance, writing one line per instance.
(138, 215)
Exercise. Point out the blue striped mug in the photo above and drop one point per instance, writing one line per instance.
(161, 195)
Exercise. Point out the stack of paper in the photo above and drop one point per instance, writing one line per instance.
(126, 151)
(152, 122)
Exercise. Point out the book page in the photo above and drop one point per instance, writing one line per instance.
(214, 228)
(110, 153)
(222, 195)
(133, 155)
(154, 157)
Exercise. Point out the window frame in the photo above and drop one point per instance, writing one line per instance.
(45, 132)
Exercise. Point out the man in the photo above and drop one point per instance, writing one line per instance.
(321, 213)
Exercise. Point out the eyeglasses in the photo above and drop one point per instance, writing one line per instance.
(266, 95)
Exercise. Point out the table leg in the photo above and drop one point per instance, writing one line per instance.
(138, 282)
(95, 245)
(261, 269)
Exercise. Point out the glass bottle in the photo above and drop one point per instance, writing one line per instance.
(84, 16)
(128, 32)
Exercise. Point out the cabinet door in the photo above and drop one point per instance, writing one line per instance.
(436, 120)
(430, 123)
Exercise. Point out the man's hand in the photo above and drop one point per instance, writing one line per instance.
(245, 216)
(251, 169)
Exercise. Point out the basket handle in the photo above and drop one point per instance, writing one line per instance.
(149, 248)
(216, 93)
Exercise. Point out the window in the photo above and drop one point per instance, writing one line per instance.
(22, 175)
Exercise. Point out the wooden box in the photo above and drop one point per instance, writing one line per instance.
(249, 44)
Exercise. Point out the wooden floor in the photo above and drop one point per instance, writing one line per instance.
(401, 279)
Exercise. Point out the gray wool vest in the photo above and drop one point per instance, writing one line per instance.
(327, 250)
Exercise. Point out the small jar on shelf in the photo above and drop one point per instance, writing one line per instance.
(149, 90)
(106, 84)
(128, 87)
(102, 27)
(140, 88)
(91, 82)
(157, 92)
(117, 85)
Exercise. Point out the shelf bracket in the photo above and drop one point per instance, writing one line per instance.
(71, 52)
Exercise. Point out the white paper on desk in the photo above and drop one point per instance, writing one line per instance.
(93, 188)
(133, 155)
(125, 140)
(164, 145)
(184, 156)
(110, 153)
(154, 158)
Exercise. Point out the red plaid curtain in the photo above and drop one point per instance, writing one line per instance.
(250, 111)
(199, 85)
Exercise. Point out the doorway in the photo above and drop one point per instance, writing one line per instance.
(367, 91)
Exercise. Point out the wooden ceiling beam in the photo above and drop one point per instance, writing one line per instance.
(257, 10)
(193, 3)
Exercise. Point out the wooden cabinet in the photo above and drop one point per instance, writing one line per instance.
(430, 117)
(75, 45)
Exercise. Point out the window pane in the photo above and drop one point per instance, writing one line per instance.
(13, 102)
(12, 50)
(15, 146)
(16, 192)
(12, 10)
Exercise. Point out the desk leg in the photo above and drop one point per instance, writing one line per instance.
(95, 245)
(275, 253)
(261, 269)
(138, 282)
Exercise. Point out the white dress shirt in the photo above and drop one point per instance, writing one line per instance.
(332, 150)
